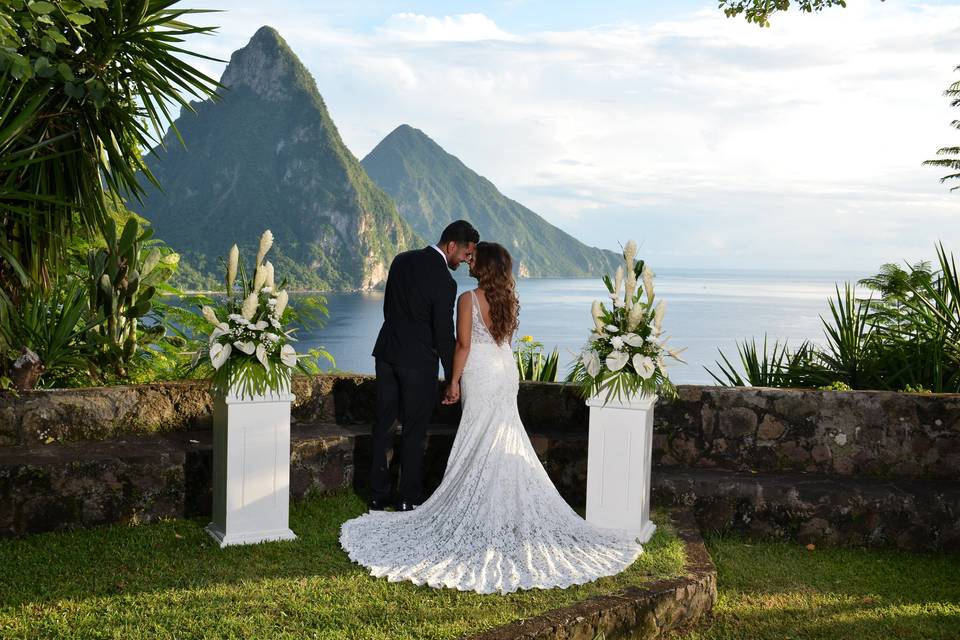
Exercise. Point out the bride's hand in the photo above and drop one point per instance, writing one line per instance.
(452, 396)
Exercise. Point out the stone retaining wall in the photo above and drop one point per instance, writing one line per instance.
(854, 433)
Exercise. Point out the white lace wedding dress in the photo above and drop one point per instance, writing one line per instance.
(496, 523)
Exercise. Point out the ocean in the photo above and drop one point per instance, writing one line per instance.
(706, 310)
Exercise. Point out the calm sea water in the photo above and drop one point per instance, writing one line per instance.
(706, 311)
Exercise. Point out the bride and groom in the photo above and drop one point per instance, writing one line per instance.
(496, 523)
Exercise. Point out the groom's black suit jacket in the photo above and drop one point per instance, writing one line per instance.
(418, 313)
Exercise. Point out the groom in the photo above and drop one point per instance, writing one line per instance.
(417, 331)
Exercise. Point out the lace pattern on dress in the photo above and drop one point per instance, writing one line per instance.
(496, 523)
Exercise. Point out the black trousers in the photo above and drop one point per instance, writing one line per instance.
(409, 395)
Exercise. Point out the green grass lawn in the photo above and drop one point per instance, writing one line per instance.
(782, 591)
(169, 580)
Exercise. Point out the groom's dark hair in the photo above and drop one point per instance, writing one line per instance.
(461, 232)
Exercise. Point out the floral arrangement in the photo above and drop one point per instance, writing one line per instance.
(248, 348)
(626, 351)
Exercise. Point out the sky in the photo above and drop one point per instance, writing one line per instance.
(712, 142)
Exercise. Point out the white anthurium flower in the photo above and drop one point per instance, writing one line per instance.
(266, 241)
(270, 337)
(288, 356)
(262, 356)
(246, 347)
(617, 360)
(219, 354)
(218, 331)
(260, 325)
(617, 342)
(232, 260)
(633, 340)
(239, 319)
(260, 277)
(591, 362)
(282, 298)
(249, 307)
(612, 328)
(210, 315)
(644, 366)
(648, 282)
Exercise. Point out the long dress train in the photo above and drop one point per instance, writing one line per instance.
(496, 523)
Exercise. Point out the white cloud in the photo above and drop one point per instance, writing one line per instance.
(719, 142)
(468, 27)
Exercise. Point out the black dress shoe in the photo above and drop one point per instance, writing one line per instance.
(376, 505)
(403, 505)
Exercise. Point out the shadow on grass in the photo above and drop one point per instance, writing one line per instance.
(179, 555)
(169, 554)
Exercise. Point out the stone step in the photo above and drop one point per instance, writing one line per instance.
(142, 478)
(814, 508)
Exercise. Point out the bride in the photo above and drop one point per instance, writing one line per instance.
(496, 523)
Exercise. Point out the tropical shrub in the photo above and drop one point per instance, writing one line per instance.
(905, 336)
(533, 363)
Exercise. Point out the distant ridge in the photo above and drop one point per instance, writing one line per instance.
(432, 187)
(268, 155)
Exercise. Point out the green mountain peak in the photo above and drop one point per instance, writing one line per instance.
(268, 155)
(433, 187)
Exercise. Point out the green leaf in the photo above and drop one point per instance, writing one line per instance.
(95, 4)
(41, 8)
(56, 36)
(79, 18)
(74, 90)
(65, 72)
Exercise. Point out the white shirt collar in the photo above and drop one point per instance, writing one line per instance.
(440, 252)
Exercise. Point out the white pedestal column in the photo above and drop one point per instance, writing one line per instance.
(251, 468)
(618, 464)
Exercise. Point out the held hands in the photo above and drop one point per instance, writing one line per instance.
(452, 394)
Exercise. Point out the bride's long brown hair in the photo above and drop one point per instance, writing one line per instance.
(493, 269)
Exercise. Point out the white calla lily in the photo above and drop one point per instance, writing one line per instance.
(612, 328)
(219, 354)
(288, 356)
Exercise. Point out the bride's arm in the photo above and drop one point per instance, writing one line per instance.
(464, 327)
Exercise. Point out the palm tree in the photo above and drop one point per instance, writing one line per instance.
(85, 87)
(951, 163)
